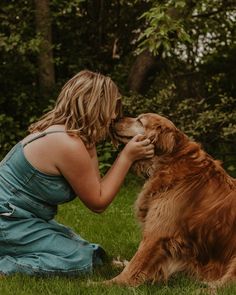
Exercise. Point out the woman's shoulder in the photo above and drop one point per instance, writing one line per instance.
(54, 138)
(56, 131)
(52, 148)
(64, 140)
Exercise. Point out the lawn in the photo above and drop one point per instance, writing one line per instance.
(117, 231)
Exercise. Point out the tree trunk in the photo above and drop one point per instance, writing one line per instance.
(146, 65)
(143, 68)
(45, 57)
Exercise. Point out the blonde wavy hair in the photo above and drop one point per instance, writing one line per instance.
(85, 106)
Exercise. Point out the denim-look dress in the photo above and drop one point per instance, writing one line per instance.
(31, 242)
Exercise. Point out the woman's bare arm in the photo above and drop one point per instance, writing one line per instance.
(76, 165)
(93, 154)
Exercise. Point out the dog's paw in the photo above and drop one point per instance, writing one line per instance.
(117, 262)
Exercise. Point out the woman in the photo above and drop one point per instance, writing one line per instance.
(55, 163)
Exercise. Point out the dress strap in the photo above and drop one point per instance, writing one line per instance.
(42, 135)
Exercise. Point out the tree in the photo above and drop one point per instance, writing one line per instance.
(45, 54)
(194, 41)
(178, 56)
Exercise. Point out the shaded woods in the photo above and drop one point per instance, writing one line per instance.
(176, 58)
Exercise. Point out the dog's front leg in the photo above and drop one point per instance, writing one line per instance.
(143, 264)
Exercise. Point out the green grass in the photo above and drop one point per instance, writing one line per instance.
(118, 232)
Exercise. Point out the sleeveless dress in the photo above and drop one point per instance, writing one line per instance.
(31, 241)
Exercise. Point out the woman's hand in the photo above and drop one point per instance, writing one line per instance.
(138, 148)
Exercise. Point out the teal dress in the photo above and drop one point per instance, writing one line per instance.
(31, 241)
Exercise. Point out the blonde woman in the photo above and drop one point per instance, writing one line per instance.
(55, 163)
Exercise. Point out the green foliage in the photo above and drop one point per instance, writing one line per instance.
(19, 45)
(83, 37)
(193, 29)
(11, 130)
(206, 121)
(106, 156)
(193, 40)
(163, 28)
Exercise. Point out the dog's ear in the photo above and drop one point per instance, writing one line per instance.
(154, 134)
(164, 140)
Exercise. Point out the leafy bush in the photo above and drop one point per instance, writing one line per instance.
(211, 123)
(107, 154)
(10, 132)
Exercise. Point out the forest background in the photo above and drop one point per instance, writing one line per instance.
(176, 58)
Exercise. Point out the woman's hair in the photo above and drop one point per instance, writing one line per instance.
(85, 106)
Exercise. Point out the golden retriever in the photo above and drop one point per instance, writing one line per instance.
(187, 208)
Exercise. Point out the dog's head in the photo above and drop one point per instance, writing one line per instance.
(161, 132)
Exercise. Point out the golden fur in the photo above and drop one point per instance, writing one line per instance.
(187, 208)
